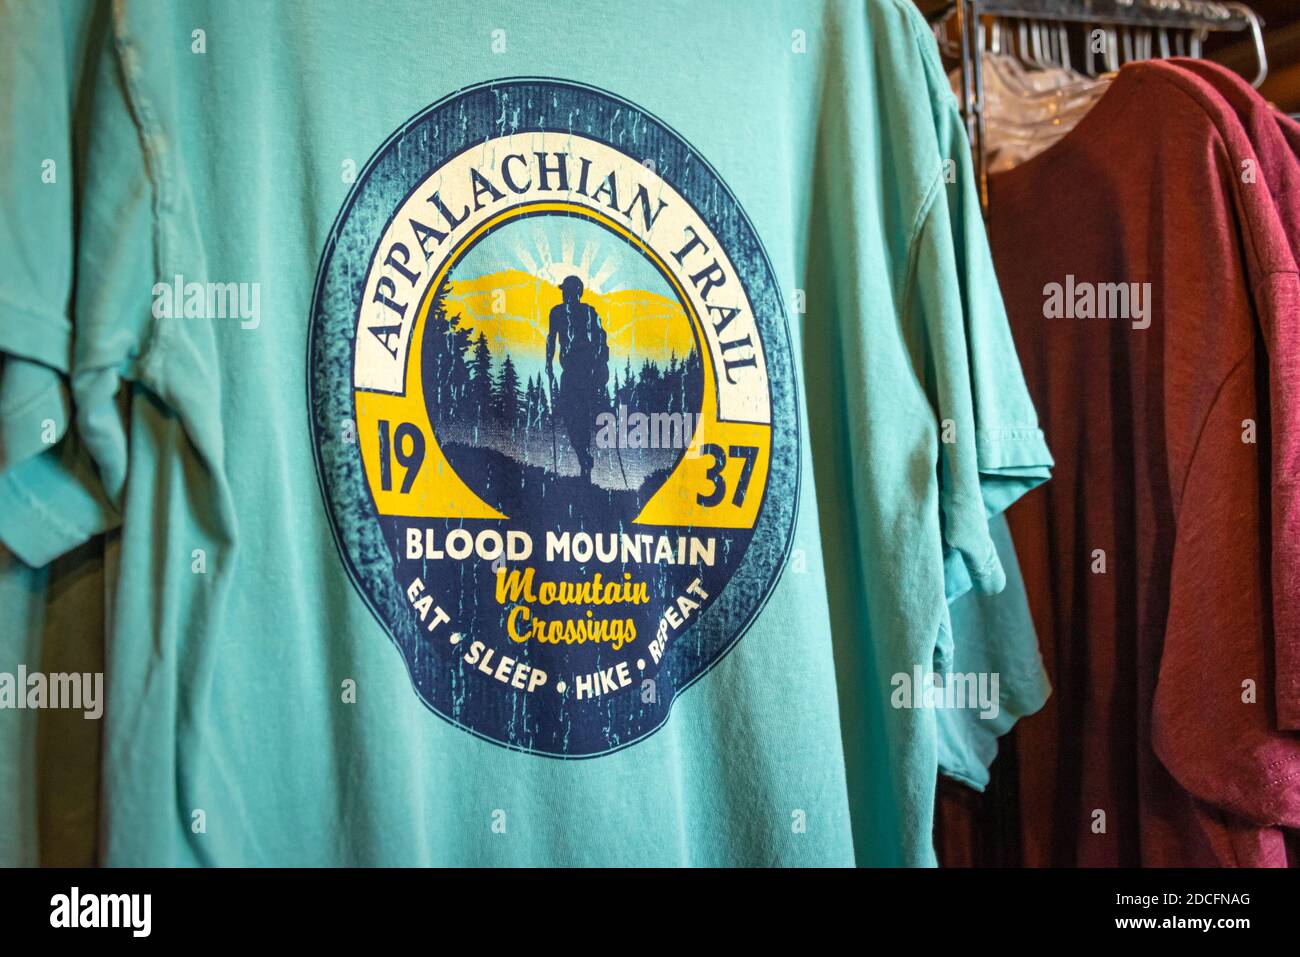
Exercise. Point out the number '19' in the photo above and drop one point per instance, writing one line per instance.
(396, 448)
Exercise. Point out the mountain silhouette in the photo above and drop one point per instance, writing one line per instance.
(510, 309)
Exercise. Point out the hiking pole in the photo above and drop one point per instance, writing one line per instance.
(555, 456)
(618, 453)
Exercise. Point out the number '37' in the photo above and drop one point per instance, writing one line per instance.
(719, 455)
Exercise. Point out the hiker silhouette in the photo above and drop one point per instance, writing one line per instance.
(577, 336)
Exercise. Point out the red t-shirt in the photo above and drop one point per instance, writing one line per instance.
(1279, 173)
(1146, 557)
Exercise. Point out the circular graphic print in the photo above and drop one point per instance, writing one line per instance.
(553, 409)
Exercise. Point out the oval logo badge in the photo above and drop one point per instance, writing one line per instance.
(554, 412)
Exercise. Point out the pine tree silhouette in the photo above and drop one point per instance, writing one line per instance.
(480, 388)
(447, 342)
(506, 400)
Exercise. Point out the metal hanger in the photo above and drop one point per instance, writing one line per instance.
(1131, 29)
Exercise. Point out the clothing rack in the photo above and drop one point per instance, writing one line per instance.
(1195, 18)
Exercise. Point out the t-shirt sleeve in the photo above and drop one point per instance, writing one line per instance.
(50, 499)
(36, 96)
(1210, 725)
(992, 452)
(991, 448)
(79, 227)
(995, 641)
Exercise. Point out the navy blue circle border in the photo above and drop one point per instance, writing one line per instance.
(458, 122)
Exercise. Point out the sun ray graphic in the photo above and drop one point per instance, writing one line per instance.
(541, 260)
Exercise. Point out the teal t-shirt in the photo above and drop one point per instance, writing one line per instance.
(51, 616)
(995, 642)
(537, 438)
(22, 590)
